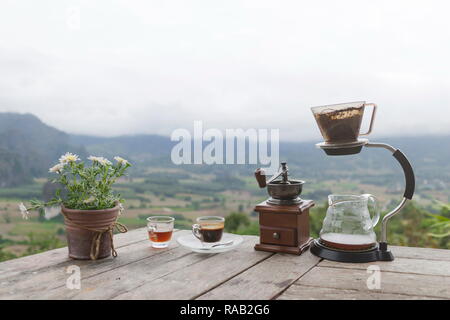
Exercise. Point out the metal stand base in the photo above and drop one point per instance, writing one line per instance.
(375, 254)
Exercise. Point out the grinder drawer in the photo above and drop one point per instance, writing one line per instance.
(279, 236)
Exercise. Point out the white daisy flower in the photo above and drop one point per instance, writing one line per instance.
(89, 200)
(121, 161)
(68, 157)
(105, 162)
(100, 160)
(57, 168)
(92, 158)
(24, 211)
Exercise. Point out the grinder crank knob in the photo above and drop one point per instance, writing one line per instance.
(261, 178)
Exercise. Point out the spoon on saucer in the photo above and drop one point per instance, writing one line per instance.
(225, 244)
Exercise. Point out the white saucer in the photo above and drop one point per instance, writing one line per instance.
(192, 243)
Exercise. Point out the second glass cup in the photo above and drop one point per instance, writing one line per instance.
(209, 229)
(160, 230)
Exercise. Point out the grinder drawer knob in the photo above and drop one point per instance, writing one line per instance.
(276, 235)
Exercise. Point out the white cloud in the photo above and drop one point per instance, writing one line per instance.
(153, 66)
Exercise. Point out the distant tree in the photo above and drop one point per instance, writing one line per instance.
(236, 220)
(441, 225)
(316, 216)
(5, 255)
(139, 189)
(142, 206)
(42, 242)
(7, 217)
(251, 230)
(195, 205)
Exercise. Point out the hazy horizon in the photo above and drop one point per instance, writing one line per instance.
(372, 137)
(150, 67)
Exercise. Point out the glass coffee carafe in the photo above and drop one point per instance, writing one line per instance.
(348, 224)
(341, 123)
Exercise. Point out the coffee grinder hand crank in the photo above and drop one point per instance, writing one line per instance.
(283, 172)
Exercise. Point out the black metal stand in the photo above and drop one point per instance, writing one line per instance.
(380, 252)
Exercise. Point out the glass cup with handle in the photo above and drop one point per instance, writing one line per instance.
(209, 229)
(160, 230)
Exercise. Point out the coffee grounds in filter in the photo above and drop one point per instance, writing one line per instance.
(340, 125)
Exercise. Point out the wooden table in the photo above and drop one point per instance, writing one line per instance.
(141, 272)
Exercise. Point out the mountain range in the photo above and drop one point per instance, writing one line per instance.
(28, 147)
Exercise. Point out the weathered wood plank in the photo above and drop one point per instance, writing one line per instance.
(403, 265)
(196, 279)
(391, 282)
(50, 258)
(108, 285)
(420, 253)
(141, 272)
(31, 284)
(105, 282)
(300, 292)
(141, 276)
(265, 280)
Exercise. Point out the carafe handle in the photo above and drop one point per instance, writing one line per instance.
(373, 200)
(372, 120)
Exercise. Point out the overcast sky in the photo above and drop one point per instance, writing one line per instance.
(127, 67)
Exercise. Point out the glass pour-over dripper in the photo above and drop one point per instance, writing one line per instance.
(341, 123)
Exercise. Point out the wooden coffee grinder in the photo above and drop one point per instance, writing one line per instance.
(284, 217)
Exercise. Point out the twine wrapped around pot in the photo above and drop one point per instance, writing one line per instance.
(88, 221)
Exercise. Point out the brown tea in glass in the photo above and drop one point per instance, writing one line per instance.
(160, 237)
(160, 230)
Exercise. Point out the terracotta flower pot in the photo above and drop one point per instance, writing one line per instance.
(89, 232)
